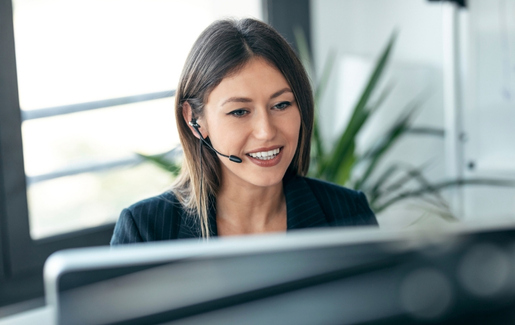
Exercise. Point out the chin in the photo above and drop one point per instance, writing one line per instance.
(266, 180)
(258, 177)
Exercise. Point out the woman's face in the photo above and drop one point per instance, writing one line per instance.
(252, 114)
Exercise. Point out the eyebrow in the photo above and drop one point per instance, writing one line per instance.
(248, 100)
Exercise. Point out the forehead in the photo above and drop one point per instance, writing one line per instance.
(256, 78)
(253, 66)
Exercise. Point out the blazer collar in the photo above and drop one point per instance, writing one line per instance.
(189, 226)
(303, 210)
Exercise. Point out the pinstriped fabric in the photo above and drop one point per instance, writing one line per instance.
(127, 229)
(301, 202)
(153, 219)
(310, 203)
(315, 203)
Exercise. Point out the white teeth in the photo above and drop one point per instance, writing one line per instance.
(265, 155)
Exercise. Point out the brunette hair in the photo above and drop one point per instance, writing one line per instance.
(224, 48)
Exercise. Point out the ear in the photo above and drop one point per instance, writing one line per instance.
(187, 114)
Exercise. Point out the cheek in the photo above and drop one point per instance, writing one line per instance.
(229, 138)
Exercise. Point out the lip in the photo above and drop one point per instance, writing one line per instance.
(267, 163)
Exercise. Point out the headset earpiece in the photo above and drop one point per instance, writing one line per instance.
(194, 124)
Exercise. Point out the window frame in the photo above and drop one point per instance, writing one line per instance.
(22, 257)
(286, 15)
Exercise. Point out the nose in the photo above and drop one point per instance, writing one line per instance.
(263, 126)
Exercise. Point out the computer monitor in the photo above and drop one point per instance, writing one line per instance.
(327, 276)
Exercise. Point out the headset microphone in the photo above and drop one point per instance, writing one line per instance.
(196, 126)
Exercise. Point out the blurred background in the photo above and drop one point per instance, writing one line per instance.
(87, 86)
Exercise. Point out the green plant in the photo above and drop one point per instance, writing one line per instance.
(166, 160)
(343, 165)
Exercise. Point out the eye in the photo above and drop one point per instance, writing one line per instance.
(282, 105)
(238, 113)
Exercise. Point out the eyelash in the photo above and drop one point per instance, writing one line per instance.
(288, 104)
(239, 113)
(243, 112)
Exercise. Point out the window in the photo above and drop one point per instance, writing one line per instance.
(73, 59)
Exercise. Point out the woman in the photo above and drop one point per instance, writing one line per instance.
(244, 111)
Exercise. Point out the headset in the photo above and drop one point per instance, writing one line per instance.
(193, 123)
(196, 126)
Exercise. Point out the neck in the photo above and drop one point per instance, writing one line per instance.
(250, 209)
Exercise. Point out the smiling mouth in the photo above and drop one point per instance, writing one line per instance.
(265, 155)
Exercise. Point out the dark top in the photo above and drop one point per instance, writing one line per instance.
(310, 203)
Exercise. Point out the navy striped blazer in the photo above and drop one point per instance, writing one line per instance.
(309, 202)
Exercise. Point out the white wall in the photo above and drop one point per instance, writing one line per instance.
(362, 28)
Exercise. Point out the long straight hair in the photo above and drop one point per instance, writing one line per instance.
(222, 49)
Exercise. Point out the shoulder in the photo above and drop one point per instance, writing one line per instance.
(163, 202)
(343, 206)
(151, 219)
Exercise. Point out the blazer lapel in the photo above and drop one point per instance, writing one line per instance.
(303, 208)
(190, 226)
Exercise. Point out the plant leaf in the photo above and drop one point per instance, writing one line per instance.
(304, 53)
(385, 92)
(345, 147)
(317, 153)
(359, 116)
(408, 176)
(417, 175)
(319, 90)
(377, 152)
(373, 193)
(445, 213)
(160, 161)
(344, 170)
(324, 78)
(376, 75)
(437, 132)
(446, 184)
